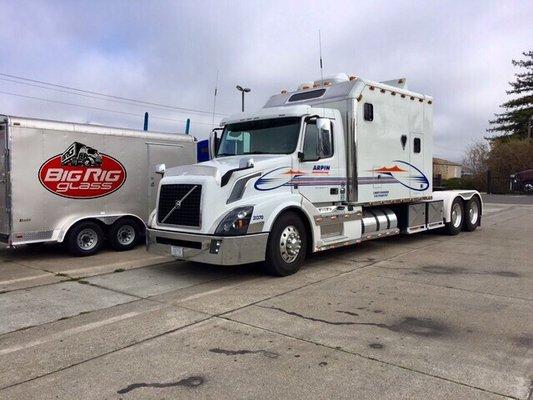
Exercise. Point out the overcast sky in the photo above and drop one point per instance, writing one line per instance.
(169, 52)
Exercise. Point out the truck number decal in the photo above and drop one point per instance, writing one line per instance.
(82, 172)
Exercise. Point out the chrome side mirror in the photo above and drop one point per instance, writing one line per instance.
(160, 169)
(323, 124)
(214, 142)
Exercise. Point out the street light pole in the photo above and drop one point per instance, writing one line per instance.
(243, 90)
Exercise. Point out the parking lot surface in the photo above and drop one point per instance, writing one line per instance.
(422, 317)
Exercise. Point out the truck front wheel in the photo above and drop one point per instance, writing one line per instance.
(85, 239)
(287, 246)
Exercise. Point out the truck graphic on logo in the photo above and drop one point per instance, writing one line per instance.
(82, 172)
(80, 154)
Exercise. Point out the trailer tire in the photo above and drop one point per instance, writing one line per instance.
(456, 218)
(472, 214)
(85, 239)
(287, 246)
(124, 234)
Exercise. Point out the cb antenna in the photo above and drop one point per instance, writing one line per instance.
(320, 52)
(214, 102)
(321, 64)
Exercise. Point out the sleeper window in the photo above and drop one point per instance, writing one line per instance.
(417, 145)
(368, 110)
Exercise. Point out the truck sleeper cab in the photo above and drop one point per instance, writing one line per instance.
(334, 163)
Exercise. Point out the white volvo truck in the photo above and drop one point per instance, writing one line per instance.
(336, 162)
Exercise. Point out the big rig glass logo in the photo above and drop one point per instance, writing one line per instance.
(81, 172)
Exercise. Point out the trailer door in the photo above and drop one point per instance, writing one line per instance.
(5, 206)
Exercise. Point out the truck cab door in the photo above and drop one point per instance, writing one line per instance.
(318, 167)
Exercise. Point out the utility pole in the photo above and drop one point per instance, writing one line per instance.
(243, 90)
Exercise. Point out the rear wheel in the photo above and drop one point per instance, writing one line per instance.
(287, 246)
(124, 234)
(85, 239)
(456, 218)
(472, 214)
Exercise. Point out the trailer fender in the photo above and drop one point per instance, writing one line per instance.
(448, 196)
(106, 220)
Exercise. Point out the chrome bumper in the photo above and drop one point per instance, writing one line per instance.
(219, 250)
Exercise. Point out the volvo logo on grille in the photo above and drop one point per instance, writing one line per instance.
(177, 206)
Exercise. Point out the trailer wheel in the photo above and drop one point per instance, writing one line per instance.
(472, 214)
(124, 234)
(287, 246)
(85, 239)
(456, 218)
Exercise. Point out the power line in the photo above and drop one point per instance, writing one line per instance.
(85, 95)
(98, 108)
(109, 95)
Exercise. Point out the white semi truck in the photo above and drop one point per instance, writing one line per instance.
(336, 162)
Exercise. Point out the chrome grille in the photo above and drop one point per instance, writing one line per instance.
(179, 205)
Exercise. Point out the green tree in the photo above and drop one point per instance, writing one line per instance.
(514, 122)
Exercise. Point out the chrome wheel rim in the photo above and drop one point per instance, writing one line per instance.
(290, 244)
(457, 215)
(126, 235)
(87, 239)
(473, 212)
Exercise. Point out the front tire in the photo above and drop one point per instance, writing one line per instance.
(472, 214)
(85, 239)
(124, 234)
(456, 218)
(287, 246)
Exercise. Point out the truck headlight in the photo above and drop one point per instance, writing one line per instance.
(236, 222)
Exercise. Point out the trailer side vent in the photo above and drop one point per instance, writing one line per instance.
(368, 112)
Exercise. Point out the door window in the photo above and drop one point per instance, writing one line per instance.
(317, 144)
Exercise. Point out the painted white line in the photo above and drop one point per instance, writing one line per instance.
(199, 295)
(72, 331)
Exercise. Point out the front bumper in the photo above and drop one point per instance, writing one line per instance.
(219, 250)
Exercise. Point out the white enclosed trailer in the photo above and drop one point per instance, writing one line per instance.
(331, 164)
(79, 184)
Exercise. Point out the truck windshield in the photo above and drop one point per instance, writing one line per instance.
(267, 136)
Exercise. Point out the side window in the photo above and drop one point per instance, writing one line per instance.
(311, 142)
(417, 145)
(317, 144)
(325, 144)
(368, 112)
